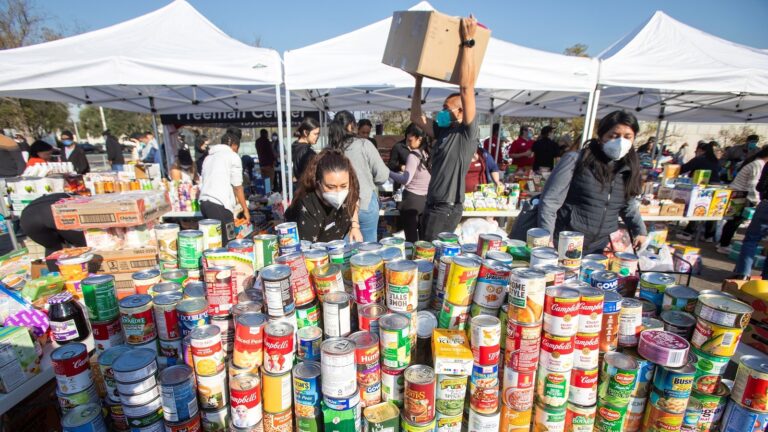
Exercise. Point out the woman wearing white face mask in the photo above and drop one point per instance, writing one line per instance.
(325, 205)
(588, 191)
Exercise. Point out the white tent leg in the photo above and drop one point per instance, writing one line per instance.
(153, 113)
(658, 134)
(282, 143)
(289, 149)
(587, 116)
(589, 124)
(663, 139)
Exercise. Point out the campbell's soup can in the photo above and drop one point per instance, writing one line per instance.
(107, 334)
(245, 400)
(70, 364)
(583, 387)
(556, 352)
(586, 350)
(561, 311)
(590, 310)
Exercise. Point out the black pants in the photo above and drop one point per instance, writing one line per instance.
(211, 210)
(37, 224)
(709, 228)
(411, 210)
(440, 217)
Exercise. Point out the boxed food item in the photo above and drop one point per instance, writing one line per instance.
(719, 204)
(670, 208)
(451, 352)
(665, 193)
(428, 43)
(697, 199)
(110, 210)
(671, 171)
(736, 204)
(19, 360)
(701, 177)
(126, 260)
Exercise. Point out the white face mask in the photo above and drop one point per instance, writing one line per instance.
(617, 148)
(336, 199)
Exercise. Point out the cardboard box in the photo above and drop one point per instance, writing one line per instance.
(719, 204)
(83, 213)
(451, 352)
(697, 199)
(672, 209)
(124, 285)
(665, 193)
(428, 43)
(126, 260)
(652, 209)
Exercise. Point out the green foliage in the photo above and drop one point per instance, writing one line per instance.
(35, 117)
(576, 50)
(734, 135)
(120, 123)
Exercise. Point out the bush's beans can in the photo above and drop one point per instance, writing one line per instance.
(522, 346)
(750, 387)
(245, 400)
(561, 311)
(552, 388)
(248, 349)
(583, 386)
(402, 293)
(556, 353)
(635, 411)
(452, 316)
(306, 389)
(485, 340)
(543, 256)
(278, 294)
(586, 350)
(492, 283)
(605, 280)
(657, 418)
(590, 310)
(609, 333)
(278, 347)
(338, 368)
(299, 278)
(394, 331)
(190, 243)
(672, 387)
(367, 277)
(680, 297)
(166, 316)
(518, 389)
(715, 339)
(516, 421)
(215, 420)
(392, 385)
(70, 364)
(526, 295)
(609, 418)
(310, 339)
(143, 280)
(178, 393)
(100, 297)
(327, 279)
(570, 245)
(107, 334)
(617, 379)
(419, 397)
(220, 284)
(460, 281)
(192, 313)
(337, 315)
(645, 372)
(309, 315)
(547, 418)
(137, 319)
(207, 351)
(484, 389)
(277, 390)
(450, 391)
(368, 367)
(85, 418)
(579, 418)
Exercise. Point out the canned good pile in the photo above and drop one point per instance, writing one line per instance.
(425, 337)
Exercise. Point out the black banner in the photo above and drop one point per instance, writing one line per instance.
(243, 119)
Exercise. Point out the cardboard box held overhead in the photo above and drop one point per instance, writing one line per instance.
(428, 43)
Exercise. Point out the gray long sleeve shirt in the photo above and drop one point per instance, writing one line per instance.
(369, 167)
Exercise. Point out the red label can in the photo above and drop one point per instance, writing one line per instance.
(191, 425)
(522, 346)
(419, 396)
(245, 400)
(301, 284)
(367, 356)
(591, 310)
(248, 350)
(583, 387)
(556, 353)
(586, 350)
(561, 311)
(518, 389)
(107, 334)
(220, 283)
(278, 348)
(70, 364)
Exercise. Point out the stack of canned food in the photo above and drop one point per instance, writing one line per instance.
(351, 337)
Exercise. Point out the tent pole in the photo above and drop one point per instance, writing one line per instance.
(153, 111)
(282, 144)
(103, 118)
(663, 139)
(288, 148)
(590, 126)
(658, 132)
(587, 117)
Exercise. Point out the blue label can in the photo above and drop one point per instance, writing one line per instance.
(740, 419)
(178, 393)
(310, 339)
(612, 302)
(605, 280)
(306, 389)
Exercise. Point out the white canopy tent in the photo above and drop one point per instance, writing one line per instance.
(172, 60)
(346, 72)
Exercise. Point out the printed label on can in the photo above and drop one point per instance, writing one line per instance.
(450, 393)
(556, 353)
(583, 387)
(552, 387)
(586, 350)
(522, 346)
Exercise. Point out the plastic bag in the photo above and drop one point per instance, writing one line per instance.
(659, 262)
(473, 227)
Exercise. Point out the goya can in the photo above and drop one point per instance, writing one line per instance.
(278, 294)
(617, 379)
(722, 310)
(579, 418)
(561, 311)
(338, 368)
(750, 387)
(367, 361)
(672, 387)
(277, 391)
(450, 391)
(190, 249)
(547, 418)
(419, 397)
(192, 313)
(556, 352)
(485, 340)
(402, 294)
(248, 351)
(100, 297)
(179, 396)
(306, 389)
(609, 333)
(461, 280)
(245, 400)
(367, 277)
(716, 339)
(491, 285)
(207, 351)
(137, 319)
(552, 387)
(394, 330)
(523, 343)
(526, 295)
(604, 280)
(583, 389)
(278, 347)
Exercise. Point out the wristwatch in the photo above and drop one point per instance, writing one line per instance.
(469, 43)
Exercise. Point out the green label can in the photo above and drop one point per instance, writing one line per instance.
(547, 418)
(452, 316)
(100, 297)
(265, 249)
(709, 370)
(617, 379)
(609, 418)
(348, 420)
(309, 315)
(190, 249)
(307, 424)
(381, 417)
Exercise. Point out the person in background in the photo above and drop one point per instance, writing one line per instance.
(739, 153)
(756, 232)
(706, 159)
(266, 156)
(415, 177)
(40, 152)
(154, 149)
(482, 170)
(370, 169)
(564, 144)
(201, 150)
(745, 181)
(520, 149)
(114, 150)
(11, 160)
(184, 169)
(73, 153)
(364, 127)
(456, 138)
(248, 166)
(23, 145)
(492, 143)
(589, 190)
(545, 150)
(647, 147)
(325, 205)
(681, 154)
(301, 150)
(221, 185)
(37, 223)
(398, 156)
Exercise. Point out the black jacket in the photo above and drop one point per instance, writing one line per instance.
(78, 159)
(702, 163)
(397, 156)
(11, 163)
(114, 151)
(301, 155)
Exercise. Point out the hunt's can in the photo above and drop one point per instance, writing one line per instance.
(402, 286)
(327, 279)
(556, 352)
(178, 393)
(190, 249)
(485, 340)
(264, 249)
(561, 311)
(277, 390)
(368, 317)
(166, 316)
(392, 385)
(367, 278)
(609, 333)
(543, 256)
(306, 389)
(70, 365)
(278, 294)
(538, 237)
(220, 284)
(583, 386)
(337, 314)
(570, 245)
(552, 388)
(723, 311)
(488, 242)
(107, 334)
(605, 280)
(382, 417)
(491, 285)
(461, 280)
(301, 283)
(245, 400)
(518, 389)
(143, 280)
(522, 346)
(579, 418)
(715, 339)
(680, 297)
(750, 387)
(449, 394)
(526, 295)
(310, 339)
(368, 367)
(395, 341)
(609, 418)
(84, 418)
(419, 397)
(100, 297)
(192, 313)
(678, 322)
(248, 351)
(617, 379)
(452, 316)
(590, 310)
(484, 389)
(278, 347)
(547, 418)
(137, 318)
(207, 351)
(338, 368)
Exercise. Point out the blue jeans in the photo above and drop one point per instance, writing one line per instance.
(756, 231)
(369, 220)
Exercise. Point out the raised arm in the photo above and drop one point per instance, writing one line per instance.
(417, 116)
(467, 63)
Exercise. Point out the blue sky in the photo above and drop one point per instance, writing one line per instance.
(550, 25)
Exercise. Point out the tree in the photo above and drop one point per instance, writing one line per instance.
(734, 135)
(118, 122)
(576, 50)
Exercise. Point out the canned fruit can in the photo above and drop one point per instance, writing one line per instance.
(178, 393)
(722, 310)
(609, 418)
(107, 334)
(586, 350)
(546, 418)
(617, 379)
(100, 297)
(402, 292)
(556, 353)
(212, 391)
(395, 341)
(248, 351)
(716, 339)
(450, 392)
(207, 351)
(663, 348)
(579, 418)
(522, 346)
(192, 313)
(278, 294)
(137, 318)
(278, 393)
(310, 339)
(245, 400)
(306, 389)
(552, 387)
(526, 295)
(583, 390)
(419, 397)
(367, 277)
(392, 385)
(338, 368)
(750, 387)
(590, 310)
(461, 280)
(337, 314)
(570, 245)
(657, 419)
(485, 340)
(367, 361)
(561, 311)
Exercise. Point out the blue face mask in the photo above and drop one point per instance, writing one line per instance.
(752, 145)
(67, 142)
(443, 118)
